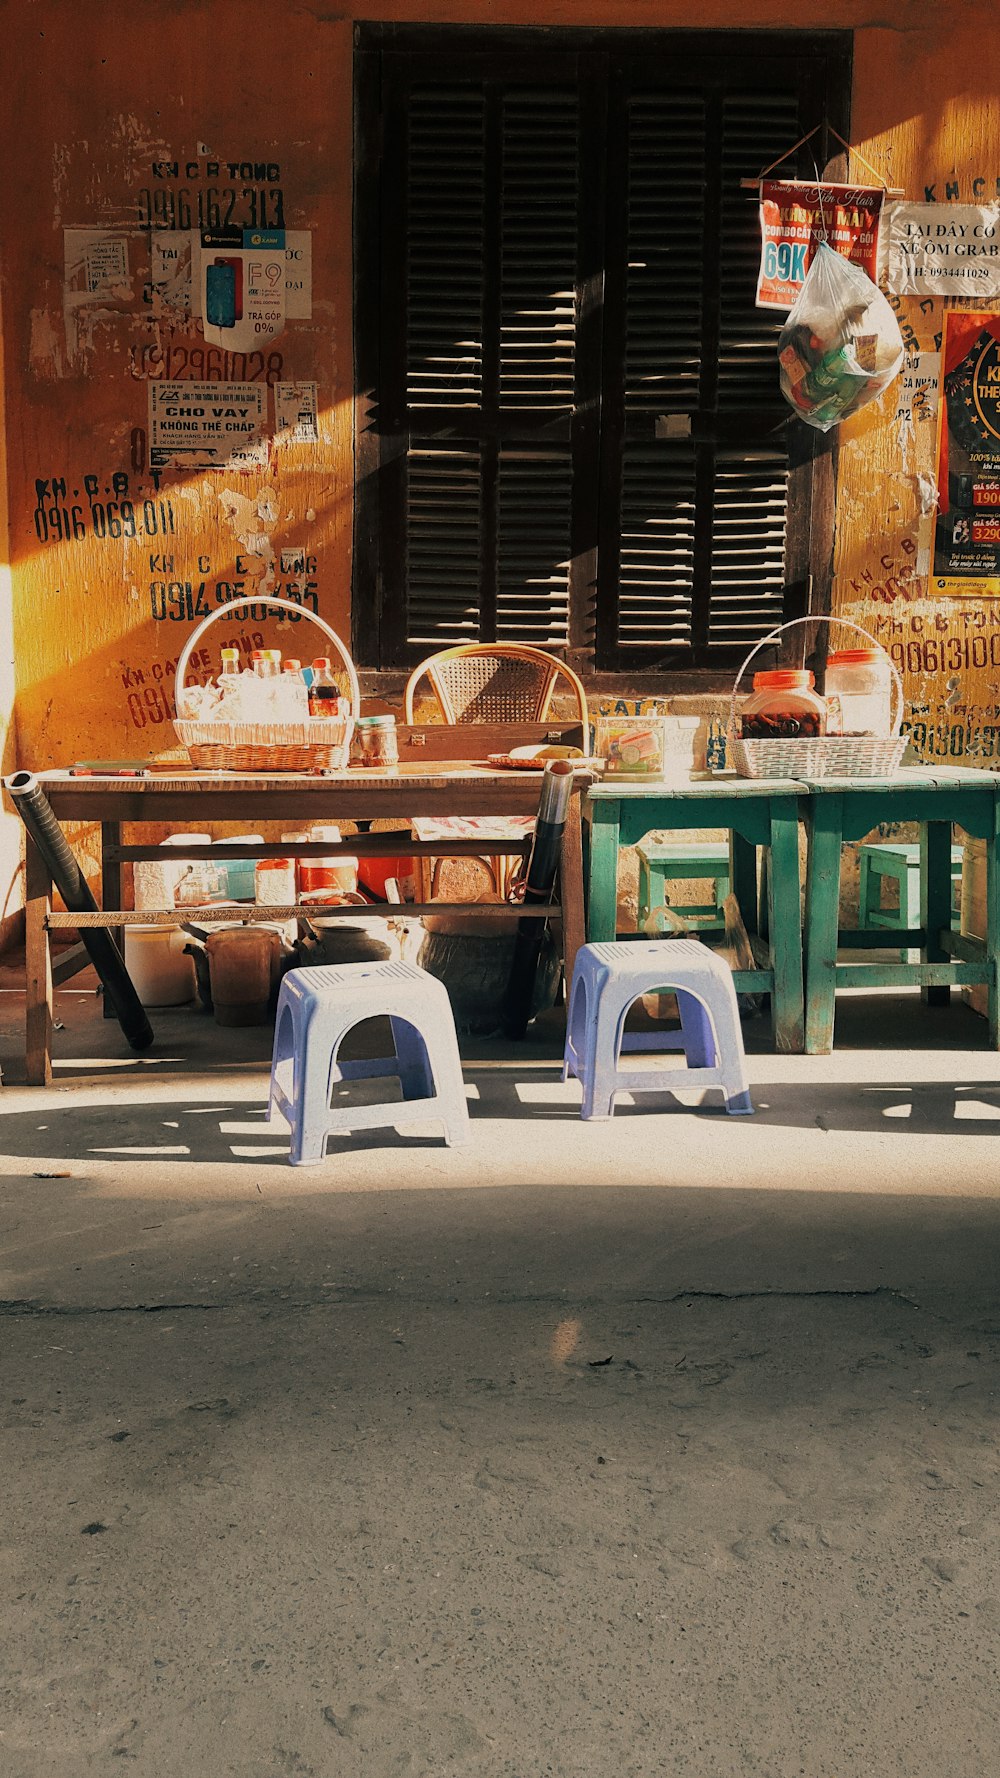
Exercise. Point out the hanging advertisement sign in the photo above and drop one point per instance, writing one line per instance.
(796, 216)
(944, 249)
(967, 526)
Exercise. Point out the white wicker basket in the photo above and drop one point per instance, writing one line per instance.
(817, 756)
(320, 744)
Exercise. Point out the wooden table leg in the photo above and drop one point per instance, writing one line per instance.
(743, 879)
(38, 969)
(571, 889)
(602, 883)
(825, 826)
(935, 899)
(111, 890)
(784, 927)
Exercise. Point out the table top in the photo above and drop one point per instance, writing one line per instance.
(369, 778)
(434, 788)
(729, 784)
(716, 784)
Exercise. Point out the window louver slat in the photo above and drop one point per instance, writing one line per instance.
(444, 540)
(665, 199)
(539, 250)
(656, 575)
(444, 247)
(748, 548)
(534, 509)
(756, 127)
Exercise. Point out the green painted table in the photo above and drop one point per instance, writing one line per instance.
(839, 810)
(757, 812)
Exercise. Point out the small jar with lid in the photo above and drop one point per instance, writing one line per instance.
(784, 706)
(861, 680)
(377, 744)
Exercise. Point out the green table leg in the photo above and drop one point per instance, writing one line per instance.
(784, 927)
(935, 899)
(826, 828)
(743, 879)
(602, 872)
(993, 928)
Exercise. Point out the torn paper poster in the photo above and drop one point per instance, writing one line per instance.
(172, 254)
(96, 276)
(917, 389)
(207, 425)
(296, 417)
(298, 274)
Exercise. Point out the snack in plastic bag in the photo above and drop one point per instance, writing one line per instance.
(841, 345)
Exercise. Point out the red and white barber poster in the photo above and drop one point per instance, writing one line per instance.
(795, 217)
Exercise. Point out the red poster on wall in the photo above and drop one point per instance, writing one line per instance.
(795, 217)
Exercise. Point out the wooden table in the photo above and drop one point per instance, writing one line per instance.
(434, 787)
(757, 812)
(839, 810)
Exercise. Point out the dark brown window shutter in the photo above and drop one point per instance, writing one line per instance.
(574, 433)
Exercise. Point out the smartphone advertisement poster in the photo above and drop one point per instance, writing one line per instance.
(242, 287)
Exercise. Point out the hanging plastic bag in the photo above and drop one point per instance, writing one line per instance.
(841, 345)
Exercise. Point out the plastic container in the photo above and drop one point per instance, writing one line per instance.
(784, 705)
(861, 680)
(237, 874)
(244, 969)
(632, 747)
(162, 972)
(318, 876)
(377, 742)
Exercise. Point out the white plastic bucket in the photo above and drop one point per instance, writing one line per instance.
(161, 971)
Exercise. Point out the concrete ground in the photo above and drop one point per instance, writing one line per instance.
(664, 1446)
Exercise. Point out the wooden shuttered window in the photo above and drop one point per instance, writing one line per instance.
(570, 431)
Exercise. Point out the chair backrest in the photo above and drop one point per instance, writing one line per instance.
(494, 682)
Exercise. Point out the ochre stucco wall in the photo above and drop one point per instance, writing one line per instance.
(110, 100)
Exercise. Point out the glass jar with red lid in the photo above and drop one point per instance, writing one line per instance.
(784, 706)
(861, 681)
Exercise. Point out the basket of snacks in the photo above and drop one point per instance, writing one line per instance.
(787, 729)
(263, 719)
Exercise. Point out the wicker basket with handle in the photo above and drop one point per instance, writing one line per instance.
(818, 756)
(318, 744)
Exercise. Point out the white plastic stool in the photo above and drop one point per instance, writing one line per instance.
(318, 1007)
(607, 978)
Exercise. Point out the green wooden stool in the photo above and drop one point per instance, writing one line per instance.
(663, 859)
(902, 865)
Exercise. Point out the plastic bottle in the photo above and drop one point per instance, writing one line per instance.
(324, 691)
(230, 666)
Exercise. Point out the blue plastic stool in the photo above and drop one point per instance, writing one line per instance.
(608, 978)
(318, 1007)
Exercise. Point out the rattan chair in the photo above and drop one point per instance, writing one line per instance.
(495, 682)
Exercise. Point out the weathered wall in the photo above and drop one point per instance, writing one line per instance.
(217, 111)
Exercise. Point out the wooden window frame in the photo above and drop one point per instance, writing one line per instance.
(812, 456)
